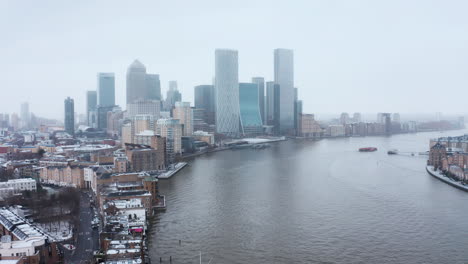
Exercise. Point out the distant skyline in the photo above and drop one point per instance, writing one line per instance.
(349, 56)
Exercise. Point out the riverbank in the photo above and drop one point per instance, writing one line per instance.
(446, 179)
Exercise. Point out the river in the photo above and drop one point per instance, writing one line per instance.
(304, 201)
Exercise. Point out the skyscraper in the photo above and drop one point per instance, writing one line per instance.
(136, 82)
(227, 92)
(70, 116)
(260, 82)
(250, 118)
(205, 99)
(24, 115)
(172, 96)
(91, 105)
(272, 102)
(284, 77)
(154, 86)
(106, 89)
(144, 107)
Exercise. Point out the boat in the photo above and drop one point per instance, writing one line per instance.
(368, 149)
(392, 152)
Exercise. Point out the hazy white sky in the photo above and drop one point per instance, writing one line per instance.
(355, 56)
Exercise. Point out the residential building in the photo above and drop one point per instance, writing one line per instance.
(309, 127)
(144, 107)
(183, 112)
(145, 158)
(227, 92)
(170, 129)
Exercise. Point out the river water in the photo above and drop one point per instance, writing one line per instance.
(304, 201)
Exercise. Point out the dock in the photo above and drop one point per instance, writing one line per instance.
(169, 173)
(446, 179)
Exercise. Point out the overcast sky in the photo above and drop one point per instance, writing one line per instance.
(354, 56)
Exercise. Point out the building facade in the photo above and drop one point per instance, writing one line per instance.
(183, 112)
(227, 92)
(106, 89)
(250, 118)
(284, 77)
(260, 82)
(70, 116)
(205, 99)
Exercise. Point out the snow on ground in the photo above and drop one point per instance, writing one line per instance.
(60, 230)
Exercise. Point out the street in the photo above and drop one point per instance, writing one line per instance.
(86, 237)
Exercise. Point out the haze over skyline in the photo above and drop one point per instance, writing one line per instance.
(350, 56)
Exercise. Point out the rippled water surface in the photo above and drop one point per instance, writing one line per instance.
(305, 201)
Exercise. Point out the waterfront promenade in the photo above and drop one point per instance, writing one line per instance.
(442, 177)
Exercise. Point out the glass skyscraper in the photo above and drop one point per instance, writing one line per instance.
(154, 86)
(272, 102)
(106, 89)
(136, 82)
(91, 105)
(250, 118)
(227, 92)
(284, 77)
(260, 81)
(70, 116)
(205, 99)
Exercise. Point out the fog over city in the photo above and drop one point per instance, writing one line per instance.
(349, 56)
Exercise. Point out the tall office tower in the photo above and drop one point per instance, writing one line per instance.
(136, 82)
(6, 120)
(106, 89)
(388, 123)
(172, 96)
(396, 118)
(380, 118)
(91, 106)
(24, 115)
(272, 102)
(227, 92)
(344, 118)
(357, 117)
(205, 99)
(298, 116)
(102, 113)
(172, 131)
(153, 85)
(15, 121)
(183, 112)
(70, 116)
(260, 82)
(296, 98)
(144, 107)
(250, 118)
(284, 77)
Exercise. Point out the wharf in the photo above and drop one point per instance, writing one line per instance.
(446, 179)
(169, 173)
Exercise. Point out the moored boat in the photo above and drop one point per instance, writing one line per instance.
(368, 149)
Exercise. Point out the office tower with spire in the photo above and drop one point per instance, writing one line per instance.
(136, 82)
